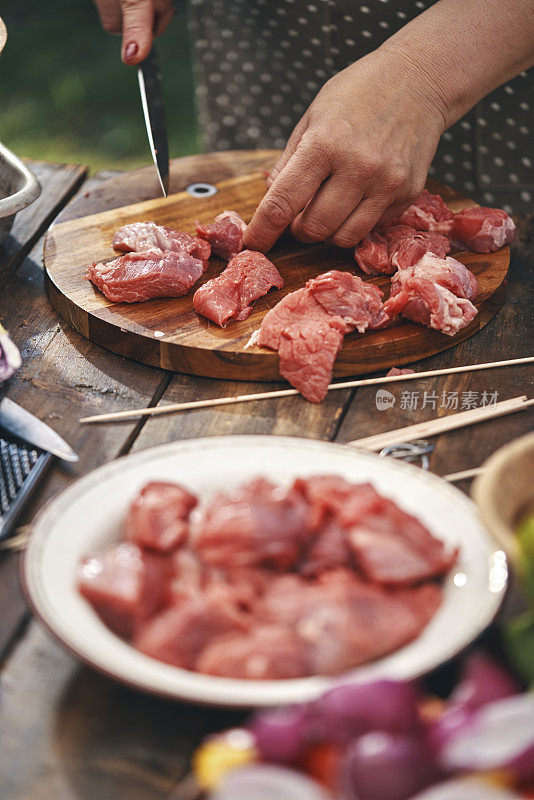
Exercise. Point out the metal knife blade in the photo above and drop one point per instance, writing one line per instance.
(21, 423)
(150, 86)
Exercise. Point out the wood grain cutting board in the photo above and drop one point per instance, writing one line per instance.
(168, 333)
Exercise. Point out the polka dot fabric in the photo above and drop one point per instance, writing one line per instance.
(260, 63)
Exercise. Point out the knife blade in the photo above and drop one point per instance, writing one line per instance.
(21, 423)
(150, 87)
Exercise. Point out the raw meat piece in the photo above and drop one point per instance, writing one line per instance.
(342, 620)
(430, 304)
(225, 234)
(396, 247)
(255, 524)
(372, 254)
(179, 633)
(332, 496)
(306, 358)
(307, 327)
(267, 653)
(342, 294)
(483, 230)
(159, 516)
(328, 550)
(230, 295)
(125, 586)
(447, 272)
(428, 213)
(141, 236)
(397, 371)
(144, 276)
(408, 251)
(395, 549)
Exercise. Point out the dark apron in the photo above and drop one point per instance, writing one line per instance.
(259, 64)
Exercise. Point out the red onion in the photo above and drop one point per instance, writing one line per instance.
(282, 734)
(267, 782)
(350, 710)
(385, 766)
(499, 735)
(481, 682)
(441, 730)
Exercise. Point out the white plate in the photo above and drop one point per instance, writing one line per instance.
(88, 515)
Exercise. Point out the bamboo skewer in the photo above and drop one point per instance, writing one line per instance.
(452, 477)
(442, 424)
(171, 408)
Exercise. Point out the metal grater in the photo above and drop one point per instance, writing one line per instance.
(21, 466)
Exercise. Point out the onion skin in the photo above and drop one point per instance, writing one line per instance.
(386, 766)
(350, 710)
(281, 735)
(482, 681)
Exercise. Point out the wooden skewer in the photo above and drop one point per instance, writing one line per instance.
(244, 398)
(452, 477)
(442, 424)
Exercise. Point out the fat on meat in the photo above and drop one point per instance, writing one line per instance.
(430, 304)
(447, 272)
(483, 230)
(408, 251)
(178, 634)
(229, 296)
(345, 295)
(268, 652)
(147, 275)
(158, 518)
(225, 234)
(139, 236)
(428, 213)
(256, 524)
(125, 585)
(396, 246)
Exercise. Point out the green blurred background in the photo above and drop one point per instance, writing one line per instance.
(66, 96)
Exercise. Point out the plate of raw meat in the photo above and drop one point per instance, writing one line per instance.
(253, 571)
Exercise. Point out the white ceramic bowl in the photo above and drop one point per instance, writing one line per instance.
(88, 515)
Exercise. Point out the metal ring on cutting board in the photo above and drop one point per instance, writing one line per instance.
(201, 189)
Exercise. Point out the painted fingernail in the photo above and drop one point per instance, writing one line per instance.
(131, 50)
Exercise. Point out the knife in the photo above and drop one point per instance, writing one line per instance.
(150, 86)
(21, 423)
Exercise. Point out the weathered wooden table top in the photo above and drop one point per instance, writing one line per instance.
(67, 732)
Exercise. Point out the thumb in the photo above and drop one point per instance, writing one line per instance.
(137, 25)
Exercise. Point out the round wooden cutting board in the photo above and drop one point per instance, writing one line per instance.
(169, 333)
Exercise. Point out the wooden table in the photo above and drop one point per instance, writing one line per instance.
(66, 732)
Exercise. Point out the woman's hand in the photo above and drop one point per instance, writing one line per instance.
(360, 153)
(138, 21)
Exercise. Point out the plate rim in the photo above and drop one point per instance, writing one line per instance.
(38, 534)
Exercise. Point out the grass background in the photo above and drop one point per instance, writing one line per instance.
(66, 96)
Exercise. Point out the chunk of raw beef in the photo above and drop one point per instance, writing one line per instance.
(393, 548)
(225, 234)
(428, 213)
(179, 633)
(409, 250)
(144, 276)
(399, 371)
(447, 272)
(268, 652)
(372, 254)
(331, 496)
(159, 516)
(430, 304)
(343, 294)
(139, 236)
(255, 524)
(328, 550)
(307, 327)
(229, 296)
(125, 585)
(483, 230)
(344, 621)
